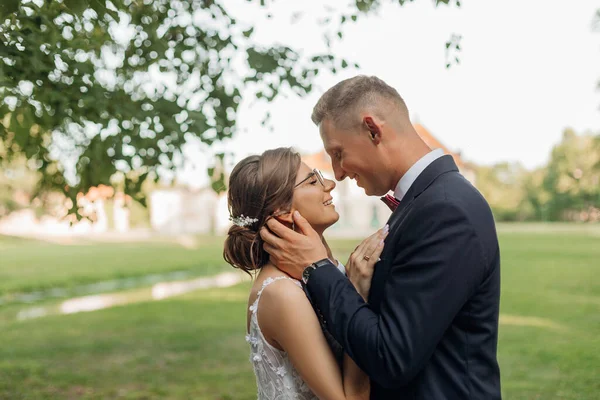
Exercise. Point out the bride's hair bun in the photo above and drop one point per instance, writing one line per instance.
(243, 249)
(258, 187)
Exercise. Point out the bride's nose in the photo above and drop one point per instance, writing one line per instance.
(329, 185)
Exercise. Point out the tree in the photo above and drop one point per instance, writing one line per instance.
(79, 91)
(537, 197)
(503, 186)
(573, 176)
(17, 185)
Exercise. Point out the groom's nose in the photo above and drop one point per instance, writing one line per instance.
(338, 172)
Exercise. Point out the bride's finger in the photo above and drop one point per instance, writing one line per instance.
(359, 250)
(367, 250)
(368, 246)
(377, 252)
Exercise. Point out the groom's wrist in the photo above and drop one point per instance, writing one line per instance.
(312, 267)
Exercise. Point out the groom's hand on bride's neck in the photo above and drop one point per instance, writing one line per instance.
(292, 251)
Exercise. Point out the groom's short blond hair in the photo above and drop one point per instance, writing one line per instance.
(345, 98)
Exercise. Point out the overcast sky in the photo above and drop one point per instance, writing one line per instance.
(528, 70)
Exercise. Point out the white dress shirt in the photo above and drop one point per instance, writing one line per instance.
(341, 268)
(413, 172)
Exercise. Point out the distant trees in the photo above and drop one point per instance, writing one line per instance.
(567, 188)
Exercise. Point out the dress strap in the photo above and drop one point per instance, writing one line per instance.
(266, 283)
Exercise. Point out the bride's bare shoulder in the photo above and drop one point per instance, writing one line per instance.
(282, 299)
(285, 286)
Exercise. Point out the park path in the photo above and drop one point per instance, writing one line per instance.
(158, 291)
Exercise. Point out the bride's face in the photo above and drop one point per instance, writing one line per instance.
(313, 200)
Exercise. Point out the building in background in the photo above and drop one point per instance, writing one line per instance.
(103, 209)
(464, 167)
(183, 210)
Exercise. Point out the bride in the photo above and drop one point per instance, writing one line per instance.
(289, 351)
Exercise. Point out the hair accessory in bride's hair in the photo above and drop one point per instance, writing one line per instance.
(243, 221)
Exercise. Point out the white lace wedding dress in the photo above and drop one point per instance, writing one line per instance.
(276, 377)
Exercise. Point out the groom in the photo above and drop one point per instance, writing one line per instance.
(430, 327)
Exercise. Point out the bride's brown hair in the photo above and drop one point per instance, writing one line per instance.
(259, 186)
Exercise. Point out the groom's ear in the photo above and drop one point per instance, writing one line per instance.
(373, 128)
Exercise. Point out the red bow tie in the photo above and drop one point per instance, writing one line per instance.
(390, 201)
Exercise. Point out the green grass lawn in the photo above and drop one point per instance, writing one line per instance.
(193, 346)
(189, 347)
(29, 265)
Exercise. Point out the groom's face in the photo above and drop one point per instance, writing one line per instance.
(354, 155)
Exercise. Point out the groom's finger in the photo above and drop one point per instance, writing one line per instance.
(270, 249)
(268, 237)
(279, 229)
(302, 223)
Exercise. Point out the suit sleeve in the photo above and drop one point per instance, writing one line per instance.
(437, 265)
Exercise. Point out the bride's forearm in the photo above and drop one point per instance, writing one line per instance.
(356, 382)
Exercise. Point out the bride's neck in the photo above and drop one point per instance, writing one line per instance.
(317, 229)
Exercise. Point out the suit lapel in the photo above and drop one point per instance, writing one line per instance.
(387, 256)
(439, 167)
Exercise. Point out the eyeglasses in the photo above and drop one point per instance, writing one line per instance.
(315, 172)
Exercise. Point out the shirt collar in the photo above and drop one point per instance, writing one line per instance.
(413, 172)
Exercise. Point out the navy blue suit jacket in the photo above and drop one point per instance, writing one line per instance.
(430, 327)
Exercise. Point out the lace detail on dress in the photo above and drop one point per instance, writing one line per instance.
(276, 377)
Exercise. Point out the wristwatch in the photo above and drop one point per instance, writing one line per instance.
(308, 270)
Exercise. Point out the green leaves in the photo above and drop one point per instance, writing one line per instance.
(264, 62)
(447, 2)
(98, 5)
(68, 79)
(217, 174)
(452, 50)
(366, 5)
(8, 7)
(77, 6)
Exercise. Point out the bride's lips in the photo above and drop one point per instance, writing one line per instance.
(328, 202)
